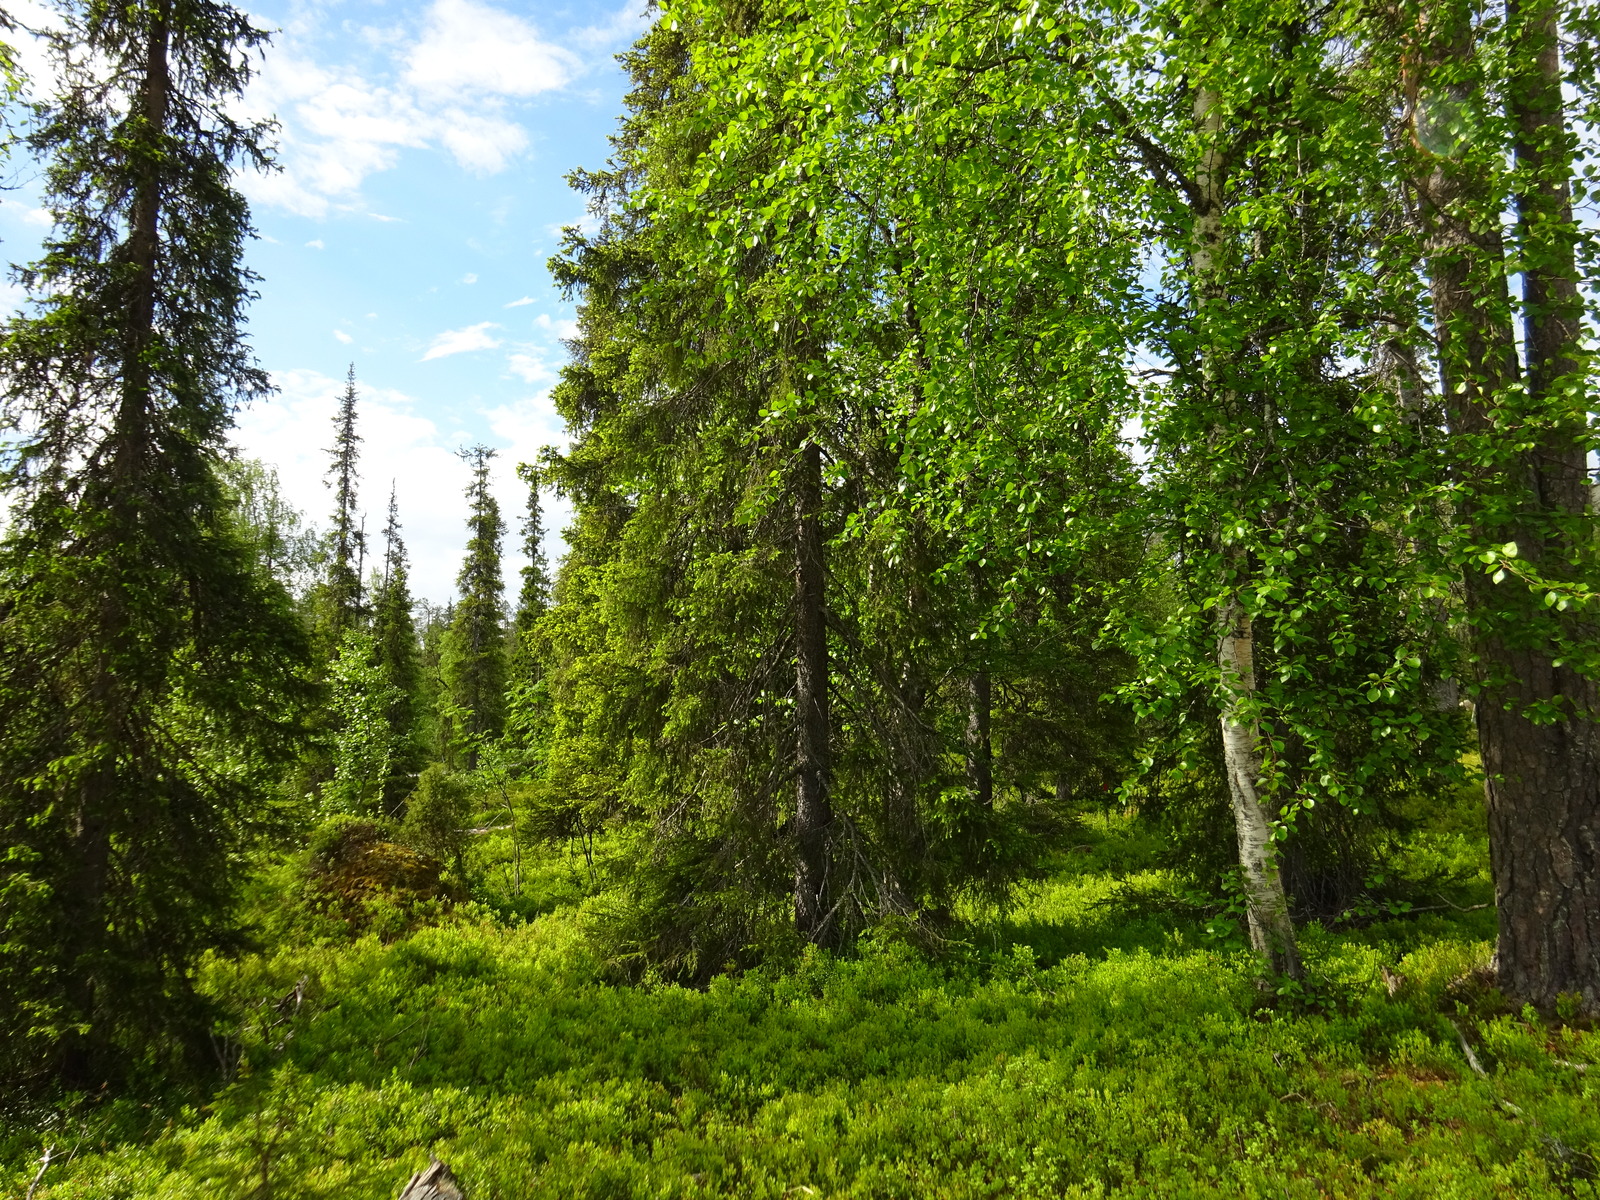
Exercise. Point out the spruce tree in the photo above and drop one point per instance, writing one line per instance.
(341, 602)
(750, 648)
(473, 661)
(533, 599)
(394, 634)
(150, 673)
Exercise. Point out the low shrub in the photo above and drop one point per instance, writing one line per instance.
(1089, 1042)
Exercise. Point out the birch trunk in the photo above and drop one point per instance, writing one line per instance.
(1271, 930)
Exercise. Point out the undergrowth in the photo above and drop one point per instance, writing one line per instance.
(1105, 1036)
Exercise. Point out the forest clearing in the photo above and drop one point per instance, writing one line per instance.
(1072, 668)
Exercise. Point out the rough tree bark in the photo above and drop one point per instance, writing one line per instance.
(1542, 777)
(1544, 789)
(814, 907)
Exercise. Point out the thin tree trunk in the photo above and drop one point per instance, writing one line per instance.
(903, 832)
(1271, 930)
(979, 747)
(814, 914)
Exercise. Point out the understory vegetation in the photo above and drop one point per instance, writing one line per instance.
(1103, 1034)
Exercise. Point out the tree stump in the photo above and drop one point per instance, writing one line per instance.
(433, 1183)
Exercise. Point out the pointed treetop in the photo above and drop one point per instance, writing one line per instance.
(348, 535)
(534, 597)
(394, 546)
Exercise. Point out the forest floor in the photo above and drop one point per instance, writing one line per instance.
(1088, 1042)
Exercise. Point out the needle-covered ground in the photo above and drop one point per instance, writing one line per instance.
(1086, 1043)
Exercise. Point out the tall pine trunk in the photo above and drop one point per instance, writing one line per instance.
(1542, 777)
(815, 914)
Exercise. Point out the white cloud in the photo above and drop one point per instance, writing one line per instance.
(526, 427)
(624, 26)
(588, 225)
(530, 366)
(29, 27)
(481, 143)
(520, 303)
(450, 85)
(339, 127)
(343, 336)
(13, 296)
(469, 277)
(459, 341)
(562, 327)
(471, 47)
(316, 244)
(39, 216)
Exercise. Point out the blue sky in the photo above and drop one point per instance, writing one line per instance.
(423, 149)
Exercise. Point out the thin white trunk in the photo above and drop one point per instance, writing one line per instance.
(1271, 931)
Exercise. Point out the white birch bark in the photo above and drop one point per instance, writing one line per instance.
(1271, 931)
